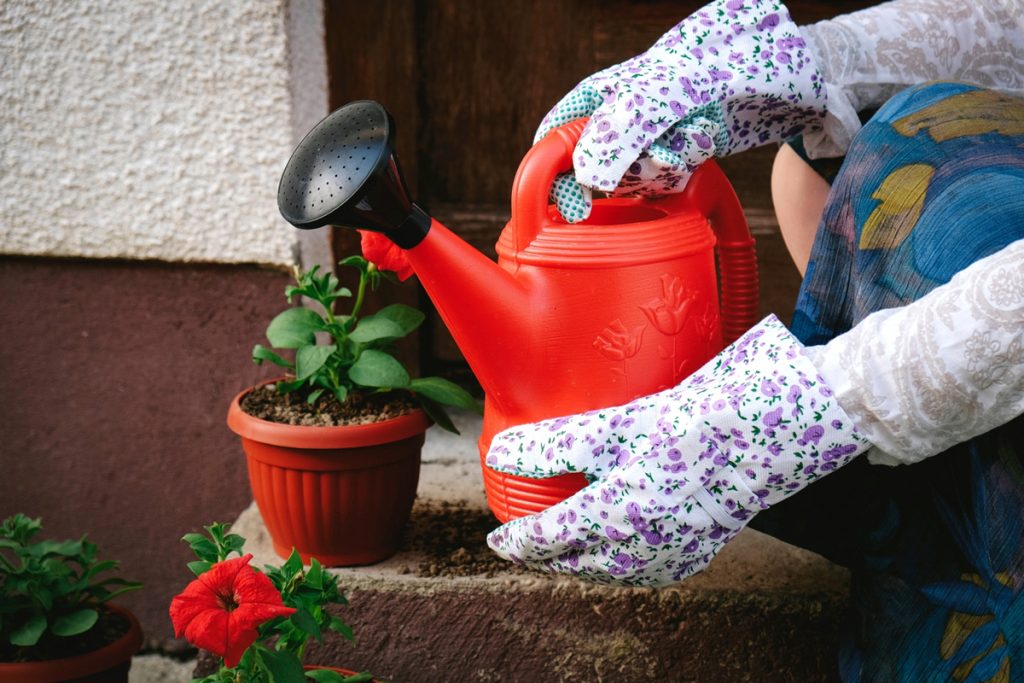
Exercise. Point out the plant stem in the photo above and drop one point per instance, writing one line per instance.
(363, 277)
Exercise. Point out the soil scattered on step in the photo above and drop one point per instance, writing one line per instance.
(453, 536)
(360, 408)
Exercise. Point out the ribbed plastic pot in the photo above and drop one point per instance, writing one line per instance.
(109, 664)
(339, 494)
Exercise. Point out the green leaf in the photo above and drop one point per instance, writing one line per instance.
(328, 676)
(309, 359)
(61, 548)
(315, 575)
(373, 328)
(261, 353)
(325, 676)
(406, 317)
(199, 567)
(443, 391)
(292, 566)
(286, 387)
(341, 393)
(294, 328)
(304, 621)
(313, 396)
(204, 548)
(77, 622)
(284, 667)
(436, 412)
(378, 369)
(340, 627)
(28, 634)
(356, 262)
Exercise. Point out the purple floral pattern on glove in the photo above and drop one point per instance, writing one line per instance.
(731, 76)
(677, 474)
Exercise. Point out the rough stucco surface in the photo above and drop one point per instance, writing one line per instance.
(144, 129)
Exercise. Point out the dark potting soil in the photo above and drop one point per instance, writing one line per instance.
(266, 403)
(107, 629)
(453, 536)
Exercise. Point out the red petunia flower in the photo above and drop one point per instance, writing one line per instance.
(385, 254)
(221, 610)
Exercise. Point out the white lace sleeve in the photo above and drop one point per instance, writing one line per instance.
(868, 56)
(950, 366)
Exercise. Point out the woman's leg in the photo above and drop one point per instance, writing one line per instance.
(799, 195)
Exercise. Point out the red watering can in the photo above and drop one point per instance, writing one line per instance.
(573, 316)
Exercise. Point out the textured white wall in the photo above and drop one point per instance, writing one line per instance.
(149, 129)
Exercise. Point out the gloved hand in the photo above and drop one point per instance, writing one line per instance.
(734, 75)
(677, 474)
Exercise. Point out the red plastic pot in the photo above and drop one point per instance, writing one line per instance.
(339, 494)
(109, 664)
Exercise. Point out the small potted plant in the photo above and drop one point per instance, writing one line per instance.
(56, 621)
(259, 624)
(333, 449)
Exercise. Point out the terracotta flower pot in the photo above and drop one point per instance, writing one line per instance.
(339, 494)
(109, 664)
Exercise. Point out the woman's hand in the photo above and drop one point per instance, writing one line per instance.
(679, 473)
(734, 75)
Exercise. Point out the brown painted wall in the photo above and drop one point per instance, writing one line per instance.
(114, 384)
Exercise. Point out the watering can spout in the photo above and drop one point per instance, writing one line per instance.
(345, 172)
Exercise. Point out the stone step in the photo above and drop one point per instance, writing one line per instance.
(446, 609)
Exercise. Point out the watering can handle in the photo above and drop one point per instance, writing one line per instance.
(712, 194)
(708, 191)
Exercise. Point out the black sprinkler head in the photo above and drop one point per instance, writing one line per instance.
(345, 172)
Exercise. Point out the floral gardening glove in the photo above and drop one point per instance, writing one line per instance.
(677, 474)
(734, 75)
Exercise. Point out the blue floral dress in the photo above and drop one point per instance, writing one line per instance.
(936, 549)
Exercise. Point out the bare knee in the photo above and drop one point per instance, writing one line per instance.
(799, 195)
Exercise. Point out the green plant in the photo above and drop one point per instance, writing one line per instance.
(261, 623)
(50, 588)
(357, 351)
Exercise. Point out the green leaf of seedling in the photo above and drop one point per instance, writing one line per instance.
(261, 353)
(374, 328)
(233, 543)
(443, 391)
(357, 262)
(285, 387)
(406, 317)
(304, 621)
(341, 628)
(341, 393)
(313, 396)
(378, 369)
(292, 566)
(77, 622)
(284, 667)
(28, 633)
(294, 328)
(325, 676)
(199, 567)
(362, 677)
(315, 575)
(60, 548)
(204, 548)
(436, 412)
(309, 360)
